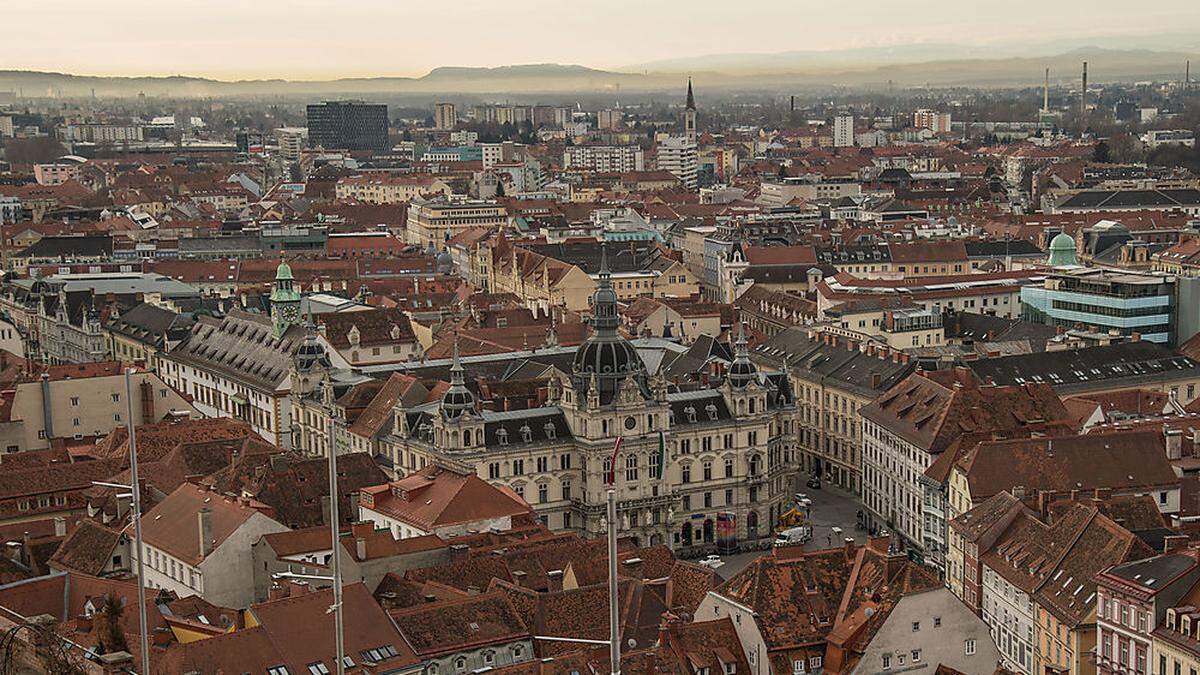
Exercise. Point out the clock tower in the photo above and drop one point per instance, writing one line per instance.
(285, 300)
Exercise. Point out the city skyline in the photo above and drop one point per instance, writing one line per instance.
(368, 39)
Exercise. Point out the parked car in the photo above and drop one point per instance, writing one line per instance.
(793, 536)
(814, 483)
(712, 562)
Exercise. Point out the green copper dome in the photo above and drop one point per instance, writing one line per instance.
(1062, 250)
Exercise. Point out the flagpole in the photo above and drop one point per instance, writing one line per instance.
(136, 489)
(614, 628)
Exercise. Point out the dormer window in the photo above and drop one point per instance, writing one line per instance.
(502, 436)
(711, 409)
(690, 411)
(526, 433)
(550, 430)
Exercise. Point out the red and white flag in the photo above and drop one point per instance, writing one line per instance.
(612, 474)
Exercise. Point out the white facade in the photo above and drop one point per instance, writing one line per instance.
(678, 157)
(843, 131)
(604, 158)
(1010, 615)
(892, 489)
(225, 577)
(291, 142)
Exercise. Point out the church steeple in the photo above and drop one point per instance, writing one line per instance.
(689, 115)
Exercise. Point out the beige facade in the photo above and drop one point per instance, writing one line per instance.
(433, 222)
(62, 407)
(388, 189)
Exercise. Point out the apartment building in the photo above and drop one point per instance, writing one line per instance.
(833, 377)
(74, 401)
(198, 542)
(383, 188)
(604, 158)
(677, 156)
(907, 430)
(433, 222)
(1132, 603)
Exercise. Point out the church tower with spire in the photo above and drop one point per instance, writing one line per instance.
(285, 300)
(689, 115)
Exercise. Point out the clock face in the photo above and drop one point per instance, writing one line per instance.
(630, 423)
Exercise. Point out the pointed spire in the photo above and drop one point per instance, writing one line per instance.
(457, 399)
(605, 274)
(456, 369)
(691, 99)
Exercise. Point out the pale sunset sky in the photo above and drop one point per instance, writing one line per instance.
(305, 39)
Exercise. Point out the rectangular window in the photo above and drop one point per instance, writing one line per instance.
(969, 647)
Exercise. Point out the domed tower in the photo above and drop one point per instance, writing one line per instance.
(742, 371)
(458, 400)
(310, 364)
(606, 356)
(285, 300)
(445, 262)
(1062, 250)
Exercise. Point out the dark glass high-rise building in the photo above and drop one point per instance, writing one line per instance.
(348, 125)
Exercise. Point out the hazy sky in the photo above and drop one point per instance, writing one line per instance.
(326, 38)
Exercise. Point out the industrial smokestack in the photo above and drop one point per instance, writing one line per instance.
(1046, 93)
(1083, 94)
(793, 103)
(1187, 75)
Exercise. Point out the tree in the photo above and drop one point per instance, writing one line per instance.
(499, 188)
(782, 171)
(1101, 153)
(108, 626)
(37, 150)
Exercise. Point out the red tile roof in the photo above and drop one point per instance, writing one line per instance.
(436, 497)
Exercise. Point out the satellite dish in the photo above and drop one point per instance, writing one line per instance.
(631, 642)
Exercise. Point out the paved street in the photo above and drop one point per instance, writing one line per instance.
(831, 508)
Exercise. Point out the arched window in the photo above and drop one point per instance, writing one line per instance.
(460, 664)
(466, 438)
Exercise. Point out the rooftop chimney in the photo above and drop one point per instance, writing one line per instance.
(1173, 439)
(360, 548)
(60, 526)
(204, 519)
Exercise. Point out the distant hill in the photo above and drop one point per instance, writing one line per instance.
(914, 65)
(902, 54)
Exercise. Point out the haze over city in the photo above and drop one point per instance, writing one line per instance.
(320, 39)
